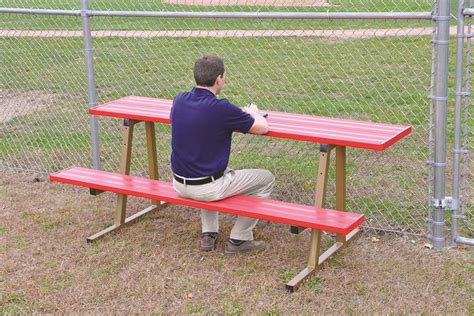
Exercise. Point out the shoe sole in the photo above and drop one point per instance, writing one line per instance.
(207, 249)
(245, 251)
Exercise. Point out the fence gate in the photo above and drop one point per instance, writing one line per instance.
(462, 201)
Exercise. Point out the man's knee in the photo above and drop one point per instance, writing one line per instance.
(269, 177)
(269, 181)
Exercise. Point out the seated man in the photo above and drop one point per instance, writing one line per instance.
(202, 127)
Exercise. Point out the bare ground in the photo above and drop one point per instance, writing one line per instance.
(16, 103)
(155, 265)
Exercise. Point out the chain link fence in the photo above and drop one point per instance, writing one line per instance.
(467, 169)
(366, 69)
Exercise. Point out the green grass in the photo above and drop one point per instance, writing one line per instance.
(314, 283)
(52, 264)
(103, 272)
(50, 226)
(273, 312)
(265, 71)
(56, 283)
(232, 308)
(375, 208)
(16, 21)
(77, 141)
(286, 275)
(191, 308)
(13, 304)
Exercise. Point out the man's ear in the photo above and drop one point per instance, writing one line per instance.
(219, 79)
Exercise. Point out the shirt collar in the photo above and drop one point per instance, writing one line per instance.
(201, 91)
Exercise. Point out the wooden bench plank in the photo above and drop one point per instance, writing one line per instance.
(242, 205)
(343, 132)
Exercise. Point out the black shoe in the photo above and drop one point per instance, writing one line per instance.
(209, 241)
(232, 248)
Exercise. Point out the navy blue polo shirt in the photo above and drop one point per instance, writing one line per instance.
(201, 132)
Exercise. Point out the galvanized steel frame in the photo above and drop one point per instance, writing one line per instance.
(441, 100)
(89, 56)
(228, 15)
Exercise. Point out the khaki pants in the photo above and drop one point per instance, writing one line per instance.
(256, 182)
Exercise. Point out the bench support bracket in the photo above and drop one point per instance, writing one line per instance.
(127, 221)
(309, 270)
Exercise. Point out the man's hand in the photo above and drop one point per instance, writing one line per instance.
(251, 108)
(260, 126)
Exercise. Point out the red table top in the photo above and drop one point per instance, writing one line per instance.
(334, 131)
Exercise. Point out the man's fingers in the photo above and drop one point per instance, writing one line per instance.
(253, 107)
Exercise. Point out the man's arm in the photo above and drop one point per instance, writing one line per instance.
(260, 126)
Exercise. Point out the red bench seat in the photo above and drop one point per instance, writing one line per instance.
(275, 211)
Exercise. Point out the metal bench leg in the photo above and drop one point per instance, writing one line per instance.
(325, 152)
(152, 156)
(127, 137)
(341, 194)
(315, 259)
(341, 240)
(341, 184)
(319, 199)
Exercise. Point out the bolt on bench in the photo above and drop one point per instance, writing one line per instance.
(333, 134)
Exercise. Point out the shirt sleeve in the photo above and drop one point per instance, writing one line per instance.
(235, 118)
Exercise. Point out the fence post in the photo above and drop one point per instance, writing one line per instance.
(441, 98)
(88, 50)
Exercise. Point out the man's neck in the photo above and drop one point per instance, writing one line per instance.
(212, 89)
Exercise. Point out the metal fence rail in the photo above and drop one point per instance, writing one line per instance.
(363, 65)
(230, 15)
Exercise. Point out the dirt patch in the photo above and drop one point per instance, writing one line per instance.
(155, 265)
(332, 35)
(14, 104)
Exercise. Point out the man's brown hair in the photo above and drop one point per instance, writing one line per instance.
(207, 69)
